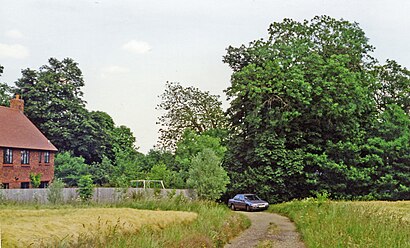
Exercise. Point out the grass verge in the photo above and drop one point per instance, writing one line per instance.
(349, 224)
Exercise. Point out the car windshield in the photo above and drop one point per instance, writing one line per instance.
(252, 197)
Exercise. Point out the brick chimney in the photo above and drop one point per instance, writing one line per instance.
(17, 103)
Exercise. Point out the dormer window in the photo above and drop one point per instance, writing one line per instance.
(8, 156)
(25, 157)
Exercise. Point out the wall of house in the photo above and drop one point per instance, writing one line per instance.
(16, 173)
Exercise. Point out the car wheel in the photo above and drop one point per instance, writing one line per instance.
(233, 207)
(248, 208)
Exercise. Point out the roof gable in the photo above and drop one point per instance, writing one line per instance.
(17, 131)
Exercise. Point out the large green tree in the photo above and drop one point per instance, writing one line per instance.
(301, 107)
(54, 103)
(187, 107)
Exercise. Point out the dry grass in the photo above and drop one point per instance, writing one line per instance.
(40, 227)
(401, 208)
(350, 224)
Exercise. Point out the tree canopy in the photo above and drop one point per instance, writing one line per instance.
(303, 110)
(187, 107)
(54, 103)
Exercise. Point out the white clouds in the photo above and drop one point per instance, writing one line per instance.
(14, 34)
(113, 69)
(138, 47)
(15, 51)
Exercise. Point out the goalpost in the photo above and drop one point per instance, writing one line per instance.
(147, 184)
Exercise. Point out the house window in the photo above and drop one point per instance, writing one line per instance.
(44, 184)
(25, 157)
(25, 185)
(40, 155)
(46, 157)
(8, 156)
(6, 185)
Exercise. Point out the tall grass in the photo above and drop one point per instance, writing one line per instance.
(214, 226)
(325, 223)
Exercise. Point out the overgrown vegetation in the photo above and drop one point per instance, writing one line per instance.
(324, 223)
(207, 176)
(312, 110)
(214, 226)
(55, 192)
(85, 188)
(35, 180)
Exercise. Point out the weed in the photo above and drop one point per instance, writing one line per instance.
(55, 192)
(265, 244)
(85, 188)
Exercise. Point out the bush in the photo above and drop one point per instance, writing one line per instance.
(207, 176)
(85, 188)
(70, 168)
(35, 180)
(55, 192)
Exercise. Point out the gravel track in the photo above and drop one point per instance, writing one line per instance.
(268, 230)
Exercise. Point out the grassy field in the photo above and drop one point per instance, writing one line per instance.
(325, 223)
(137, 223)
(26, 227)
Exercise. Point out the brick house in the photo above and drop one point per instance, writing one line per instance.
(23, 149)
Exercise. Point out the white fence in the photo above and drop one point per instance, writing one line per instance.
(101, 195)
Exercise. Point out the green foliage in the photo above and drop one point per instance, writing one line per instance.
(190, 145)
(393, 86)
(102, 172)
(123, 139)
(207, 176)
(187, 107)
(5, 94)
(163, 160)
(159, 156)
(85, 188)
(35, 180)
(159, 172)
(391, 145)
(55, 192)
(127, 167)
(69, 168)
(304, 114)
(54, 103)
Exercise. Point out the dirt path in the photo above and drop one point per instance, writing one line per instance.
(268, 230)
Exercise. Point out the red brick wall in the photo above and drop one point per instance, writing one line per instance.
(16, 173)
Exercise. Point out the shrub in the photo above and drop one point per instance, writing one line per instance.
(35, 180)
(55, 192)
(207, 176)
(85, 188)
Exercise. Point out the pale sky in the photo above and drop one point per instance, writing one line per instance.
(128, 49)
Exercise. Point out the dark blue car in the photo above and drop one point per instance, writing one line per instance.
(247, 202)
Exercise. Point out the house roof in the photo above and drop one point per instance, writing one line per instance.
(17, 131)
